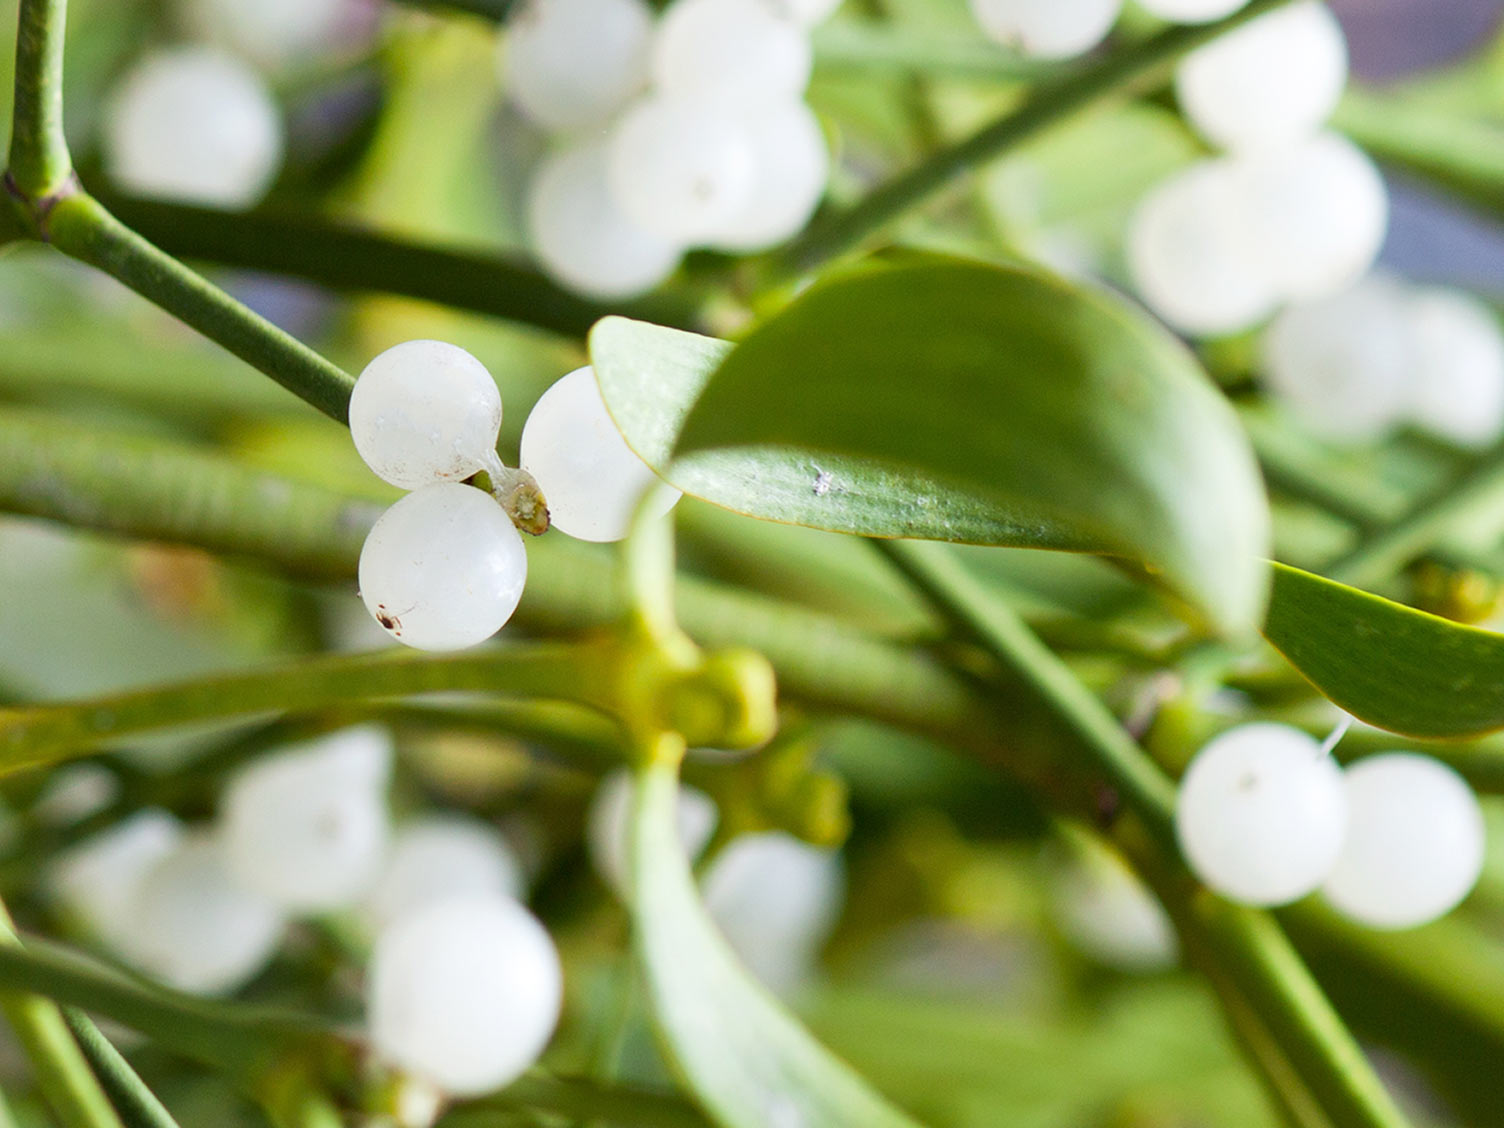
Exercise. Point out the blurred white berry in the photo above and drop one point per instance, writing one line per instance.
(583, 238)
(739, 54)
(1457, 386)
(95, 882)
(193, 124)
(591, 478)
(1414, 845)
(1261, 814)
(425, 411)
(439, 856)
(195, 927)
(1047, 29)
(1269, 82)
(1191, 11)
(464, 992)
(572, 64)
(307, 827)
(606, 826)
(1189, 256)
(1105, 910)
(775, 899)
(1317, 213)
(443, 569)
(278, 33)
(75, 792)
(791, 168)
(805, 13)
(680, 167)
(1342, 366)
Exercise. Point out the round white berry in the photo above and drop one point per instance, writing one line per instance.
(1191, 11)
(606, 826)
(1261, 814)
(736, 53)
(680, 167)
(1047, 29)
(464, 992)
(1106, 911)
(590, 477)
(440, 856)
(193, 124)
(277, 33)
(775, 899)
(571, 64)
(1414, 846)
(425, 411)
(1317, 213)
(443, 568)
(1342, 366)
(307, 827)
(1269, 82)
(583, 238)
(96, 880)
(195, 927)
(1457, 387)
(1189, 257)
(792, 166)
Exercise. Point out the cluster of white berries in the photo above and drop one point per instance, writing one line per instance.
(444, 568)
(1061, 29)
(464, 986)
(1265, 816)
(197, 122)
(689, 133)
(1353, 366)
(1289, 213)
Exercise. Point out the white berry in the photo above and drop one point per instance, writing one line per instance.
(1047, 29)
(440, 856)
(1269, 82)
(739, 54)
(1191, 11)
(1342, 366)
(1317, 213)
(1414, 846)
(96, 880)
(775, 899)
(791, 168)
(572, 64)
(1189, 256)
(590, 477)
(1457, 387)
(583, 238)
(195, 927)
(464, 992)
(680, 167)
(425, 411)
(443, 569)
(278, 33)
(193, 124)
(307, 827)
(805, 13)
(1261, 814)
(607, 826)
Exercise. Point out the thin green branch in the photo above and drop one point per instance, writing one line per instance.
(623, 1106)
(40, 167)
(137, 1105)
(1134, 70)
(876, 48)
(80, 226)
(345, 257)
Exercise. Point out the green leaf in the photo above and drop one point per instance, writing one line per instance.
(746, 1059)
(959, 401)
(1385, 663)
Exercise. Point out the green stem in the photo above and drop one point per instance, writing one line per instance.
(138, 1106)
(63, 1075)
(615, 1104)
(40, 167)
(344, 257)
(83, 228)
(1135, 70)
(875, 48)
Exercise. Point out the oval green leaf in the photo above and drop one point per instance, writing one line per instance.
(1387, 664)
(959, 401)
(745, 1058)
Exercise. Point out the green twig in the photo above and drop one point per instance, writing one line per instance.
(615, 1104)
(40, 167)
(875, 48)
(1134, 70)
(137, 1105)
(83, 228)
